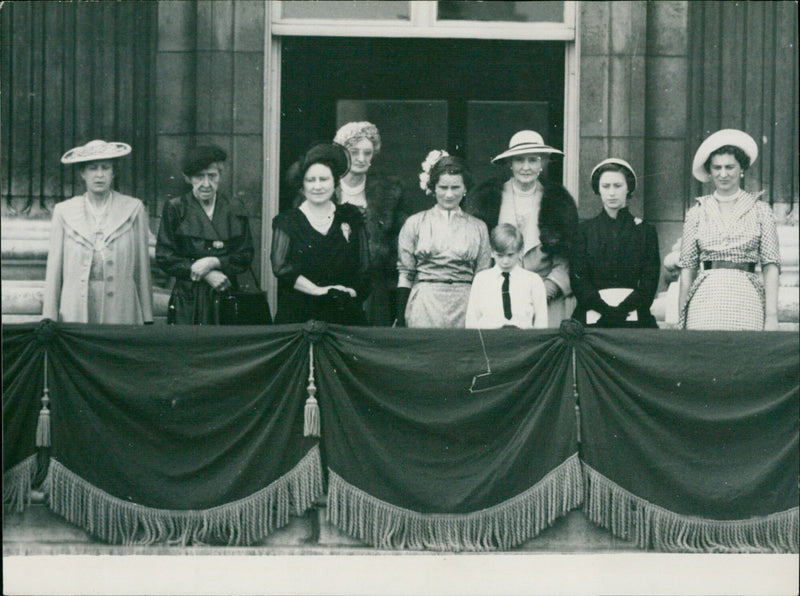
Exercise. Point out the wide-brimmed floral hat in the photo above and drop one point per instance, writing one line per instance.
(595, 177)
(726, 136)
(523, 142)
(95, 151)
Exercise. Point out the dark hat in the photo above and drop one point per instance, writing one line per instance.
(201, 157)
(331, 154)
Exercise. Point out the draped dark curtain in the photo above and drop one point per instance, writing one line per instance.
(430, 439)
(703, 426)
(428, 435)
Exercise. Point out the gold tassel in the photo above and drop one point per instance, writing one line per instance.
(43, 424)
(311, 419)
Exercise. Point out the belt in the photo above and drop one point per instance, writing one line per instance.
(442, 281)
(751, 267)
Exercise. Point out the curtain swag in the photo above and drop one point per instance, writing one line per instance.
(452, 440)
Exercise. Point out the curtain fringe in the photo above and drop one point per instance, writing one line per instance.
(650, 526)
(17, 483)
(502, 526)
(240, 523)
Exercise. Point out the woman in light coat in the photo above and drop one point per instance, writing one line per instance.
(98, 266)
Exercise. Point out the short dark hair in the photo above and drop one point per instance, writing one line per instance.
(738, 154)
(452, 165)
(506, 237)
(613, 167)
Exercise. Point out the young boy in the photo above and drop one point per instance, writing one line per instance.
(507, 295)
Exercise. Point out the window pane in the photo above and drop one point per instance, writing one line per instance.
(526, 12)
(345, 9)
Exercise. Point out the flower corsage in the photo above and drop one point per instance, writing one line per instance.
(429, 162)
(346, 231)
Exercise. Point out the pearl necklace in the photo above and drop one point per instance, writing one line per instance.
(319, 222)
(729, 199)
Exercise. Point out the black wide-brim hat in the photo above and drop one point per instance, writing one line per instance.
(331, 154)
(201, 157)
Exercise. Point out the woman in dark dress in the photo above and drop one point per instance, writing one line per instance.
(204, 242)
(378, 198)
(615, 263)
(319, 249)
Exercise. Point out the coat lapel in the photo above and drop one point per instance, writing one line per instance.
(73, 213)
(123, 212)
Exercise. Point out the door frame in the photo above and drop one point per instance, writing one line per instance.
(423, 24)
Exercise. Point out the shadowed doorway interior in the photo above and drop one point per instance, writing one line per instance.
(465, 96)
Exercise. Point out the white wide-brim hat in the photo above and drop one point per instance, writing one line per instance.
(726, 136)
(94, 151)
(612, 160)
(524, 142)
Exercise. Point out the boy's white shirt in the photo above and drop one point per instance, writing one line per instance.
(528, 300)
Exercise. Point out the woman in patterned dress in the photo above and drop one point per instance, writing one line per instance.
(439, 251)
(319, 249)
(728, 233)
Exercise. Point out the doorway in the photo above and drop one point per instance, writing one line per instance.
(467, 96)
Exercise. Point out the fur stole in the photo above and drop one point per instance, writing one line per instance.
(558, 214)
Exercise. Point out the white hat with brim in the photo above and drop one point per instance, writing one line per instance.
(727, 136)
(524, 142)
(95, 151)
(615, 161)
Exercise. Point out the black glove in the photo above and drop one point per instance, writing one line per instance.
(614, 316)
(337, 299)
(402, 301)
(630, 303)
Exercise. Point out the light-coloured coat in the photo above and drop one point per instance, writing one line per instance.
(127, 296)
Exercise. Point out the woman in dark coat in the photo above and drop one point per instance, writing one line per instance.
(544, 212)
(377, 197)
(319, 249)
(615, 262)
(203, 241)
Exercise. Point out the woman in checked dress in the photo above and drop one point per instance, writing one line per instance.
(726, 235)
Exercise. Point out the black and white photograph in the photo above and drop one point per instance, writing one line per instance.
(400, 297)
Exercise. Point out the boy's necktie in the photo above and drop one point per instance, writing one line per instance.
(506, 296)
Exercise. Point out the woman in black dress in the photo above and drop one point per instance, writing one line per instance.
(319, 249)
(204, 241)
(615, 264)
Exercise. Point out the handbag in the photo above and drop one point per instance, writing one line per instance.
(243, 306)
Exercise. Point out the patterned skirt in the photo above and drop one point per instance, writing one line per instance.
(725, 300)
(435, 304)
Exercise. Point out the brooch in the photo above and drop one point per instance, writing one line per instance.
(346, 231)
(218, 244)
